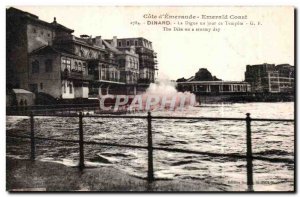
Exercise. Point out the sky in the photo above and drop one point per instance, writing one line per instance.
(182, 53)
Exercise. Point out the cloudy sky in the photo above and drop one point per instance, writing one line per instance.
(181, 54)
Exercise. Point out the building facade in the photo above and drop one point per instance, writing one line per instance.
(25, 32)
(270, 78)
(203, 82)
(60, 74)
(147, 56)
(100, 62)
(47, 57)
(213, 87)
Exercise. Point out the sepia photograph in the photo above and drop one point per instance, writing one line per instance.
(150, 98)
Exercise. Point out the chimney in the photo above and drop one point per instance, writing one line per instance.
(98, 41)
(54, 21)
(114, 42)
(90, 40)
(132, 49)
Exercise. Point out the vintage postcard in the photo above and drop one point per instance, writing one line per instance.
(150, 99)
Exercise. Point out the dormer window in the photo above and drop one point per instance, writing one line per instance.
(81, 52)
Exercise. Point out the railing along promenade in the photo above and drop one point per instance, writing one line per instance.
(248, 157)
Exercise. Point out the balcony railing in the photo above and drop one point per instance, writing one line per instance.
(77, 75)
(247, 156)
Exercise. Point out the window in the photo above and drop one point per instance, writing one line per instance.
(49, 35)
(83, 67)
(65, 88)
(120, 43)
(35, 66)
(136, 43)
(41, 86)
(127, 43)
(70, 88)
(76, 66)
(81, 52)
(42, 33)
(34, 30)
(48, 65)
(66, 64)
(79, 66)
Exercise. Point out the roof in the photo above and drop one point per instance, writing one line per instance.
(132, 38)
(109, 46)
(47, 49)
(81, 41)
(285, 65)
(213, 82)
(135, 38)
(13, 10)
(16, 12)
(21, 91)
(259, 65)
(60, 26)
(191, 78)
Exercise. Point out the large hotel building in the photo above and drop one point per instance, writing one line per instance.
(47, 58)
(270, 78)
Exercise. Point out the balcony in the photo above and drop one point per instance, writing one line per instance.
(76, 75)
(148, 60)
(109, 61)
(144, 51)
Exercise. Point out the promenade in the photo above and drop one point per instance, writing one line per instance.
(25, 175)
